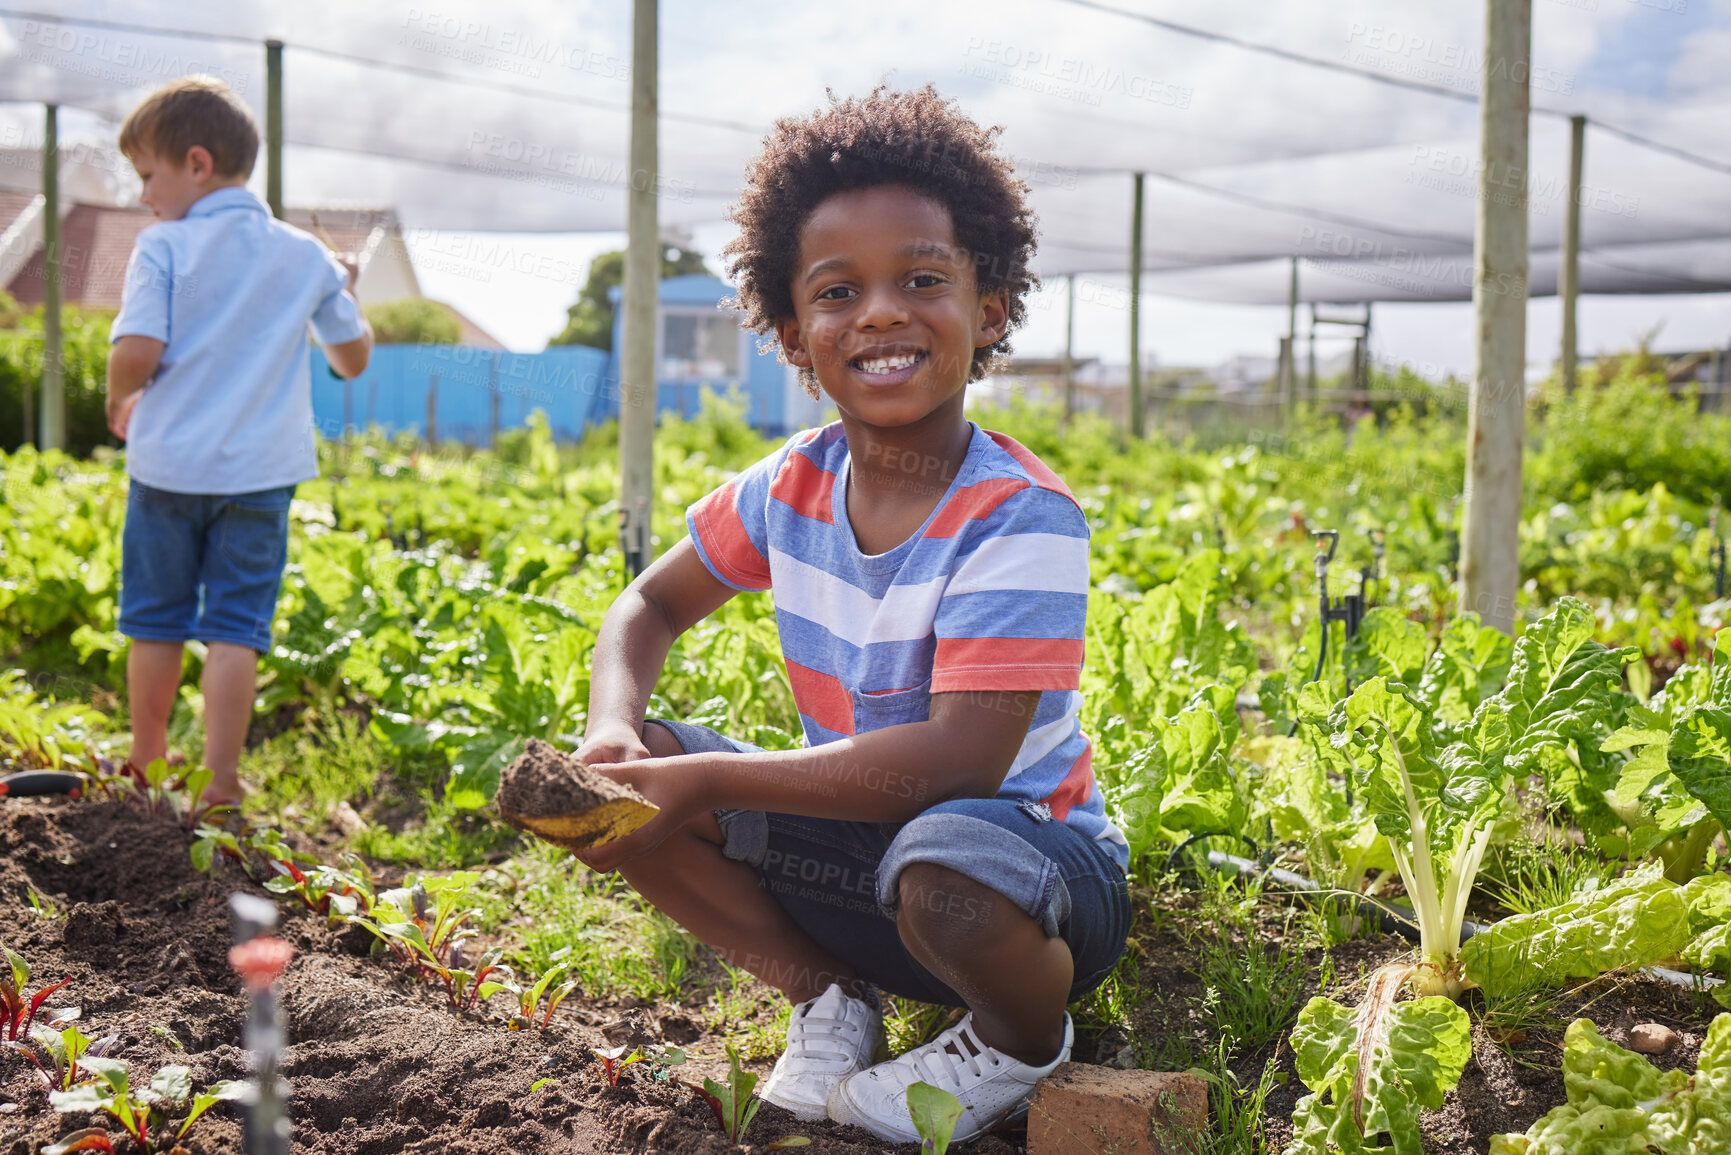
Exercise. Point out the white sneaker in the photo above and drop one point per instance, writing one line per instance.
(828, 1039)
(990, 1084)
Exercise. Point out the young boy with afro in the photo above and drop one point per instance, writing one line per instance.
(940, 836)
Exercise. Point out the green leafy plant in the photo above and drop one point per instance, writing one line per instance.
(1370, 1071)
(58, 1055)
(735, 1102)
(935, 1113)
(1620, 1104)
(614, 1061)
(551, 986)
(142, 1113)
(18, 1009)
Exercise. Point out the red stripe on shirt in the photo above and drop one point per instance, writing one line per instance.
(822, 698)
(1037, 469)
(974, 503)
(1076, 787)
(726, 542)
(805, 487)
(1007, 664)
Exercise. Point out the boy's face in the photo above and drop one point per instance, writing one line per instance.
(886, 309)
(171, 187)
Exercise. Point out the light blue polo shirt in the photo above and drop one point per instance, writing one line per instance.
(230, 291)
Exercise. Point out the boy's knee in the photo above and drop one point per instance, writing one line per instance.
(938, 904)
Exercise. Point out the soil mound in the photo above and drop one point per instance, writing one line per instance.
(557, 798)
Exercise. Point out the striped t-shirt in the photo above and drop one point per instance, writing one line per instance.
(990, 594)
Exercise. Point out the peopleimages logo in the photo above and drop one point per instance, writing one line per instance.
(472, 40)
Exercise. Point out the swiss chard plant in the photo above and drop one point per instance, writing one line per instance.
(1673, 794)
(18, 1005)
(58, 1055)
(614, 1060)
(1371, 1070)
(734, 1102)
(142, 1113)
(1184, 782)
(1620, 1104)
(552, 988)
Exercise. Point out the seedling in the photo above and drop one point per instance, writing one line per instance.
(465, 987)
(143, 1114)
(613, 1065)
(662, 1060)
(58, 1055)
(529, 998)
(161, 795)
(935, 1113)
(326, 890)
(18, 1010)
(421, 925)
(735, 1104)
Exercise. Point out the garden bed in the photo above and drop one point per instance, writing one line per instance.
(379, 1064)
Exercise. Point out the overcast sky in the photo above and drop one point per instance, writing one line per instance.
(534, 139)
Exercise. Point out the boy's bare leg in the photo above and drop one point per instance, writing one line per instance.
(989, 951)
(152, 682)
(719, 900)
(230, 679)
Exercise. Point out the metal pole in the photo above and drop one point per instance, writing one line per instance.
(1289, 362)
(53, 416)
(273, 127)
(1490, 542)
(1310, 375)
(642, 289)
(1136, 310)
(1569, 276)
(1069, 346)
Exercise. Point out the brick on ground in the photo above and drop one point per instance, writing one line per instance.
(1081, 1109)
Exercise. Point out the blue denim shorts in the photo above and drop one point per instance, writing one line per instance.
(204, 566)
(839, 880)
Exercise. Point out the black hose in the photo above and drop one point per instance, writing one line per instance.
(34, 782)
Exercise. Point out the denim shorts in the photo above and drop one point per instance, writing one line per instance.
(838, 879)
(204, 566)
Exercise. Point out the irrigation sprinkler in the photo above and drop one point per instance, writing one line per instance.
(259, 957)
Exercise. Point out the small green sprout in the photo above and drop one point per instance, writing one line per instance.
(735, 1103)
(935, 1113)
(18, 1010)
(612, 1065)
(58, 1055)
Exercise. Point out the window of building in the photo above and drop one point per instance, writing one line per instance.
(700, 347)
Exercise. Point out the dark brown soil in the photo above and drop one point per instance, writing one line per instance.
(377, 1065)
(554, 796)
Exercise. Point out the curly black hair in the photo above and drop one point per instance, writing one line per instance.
(917, 140)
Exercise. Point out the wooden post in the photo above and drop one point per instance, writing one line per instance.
(1490, 533)
(273, 127)
(642, 291)
(433, 412)
(1310, 374)
(1569, 274)
(53, 416)
(493, 401)
(1136, 310)
(1069, 346)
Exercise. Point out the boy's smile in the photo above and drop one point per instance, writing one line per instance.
(887, 313)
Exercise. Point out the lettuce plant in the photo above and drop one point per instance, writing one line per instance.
(18, 1010)
(141, 1113)
(1620, 1104)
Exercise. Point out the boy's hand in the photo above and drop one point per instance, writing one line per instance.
(673, 784)
(120, 414)
(612, 744)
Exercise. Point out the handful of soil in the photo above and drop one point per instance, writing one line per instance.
(557, 798)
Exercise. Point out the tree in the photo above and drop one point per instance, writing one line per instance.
(413, 321)
(591, 317)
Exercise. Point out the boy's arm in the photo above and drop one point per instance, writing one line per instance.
(676, 592)
(349, 358)
(963, 750)
(132, 362)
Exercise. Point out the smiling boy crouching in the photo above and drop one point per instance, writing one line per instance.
(940, 836)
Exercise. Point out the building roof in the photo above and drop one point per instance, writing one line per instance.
(97, 241)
